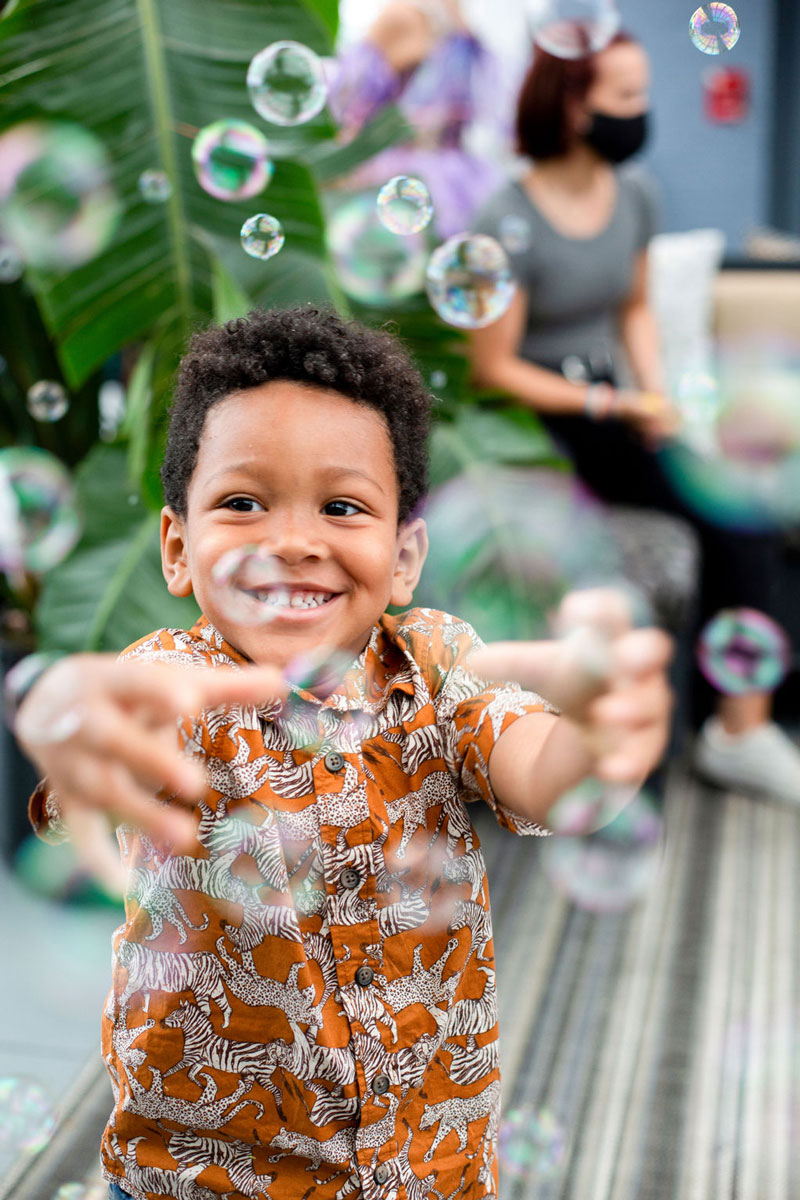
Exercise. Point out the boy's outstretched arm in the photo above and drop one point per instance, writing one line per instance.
(614, 726)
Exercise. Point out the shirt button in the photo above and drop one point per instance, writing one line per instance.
(364, 976)
(381, 1173)
(381, 1084)
(350, 878)
(334, 761)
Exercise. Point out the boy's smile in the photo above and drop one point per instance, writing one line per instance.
(292, 517)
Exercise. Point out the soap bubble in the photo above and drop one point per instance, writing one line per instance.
(81, 1191)
(742, 650)
(11, 264)
(438, 380)
(262, 236)
(39, 521)
(231, 160)
(469, 281)
(404, 205)
(531, 1144)
(574, 28)
(286, 83)
(247, 580)
(515, 233)
(57, 206)
(613, 868)
(155, 186)
(373, 265)
(47, 400)
(714, 28)
(591, 806)
(319, 670)
(27, 1119)
(508, 543)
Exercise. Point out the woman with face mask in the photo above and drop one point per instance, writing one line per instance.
(579, 346)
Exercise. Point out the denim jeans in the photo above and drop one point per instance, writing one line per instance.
(115, 1192)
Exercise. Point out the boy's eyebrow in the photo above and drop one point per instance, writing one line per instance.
(252, 467)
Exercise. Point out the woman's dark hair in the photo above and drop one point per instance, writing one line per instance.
(303, 345)
(551, 85)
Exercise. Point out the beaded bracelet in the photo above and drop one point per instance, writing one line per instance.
(600, 401)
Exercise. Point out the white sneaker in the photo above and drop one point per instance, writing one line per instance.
(763, 760)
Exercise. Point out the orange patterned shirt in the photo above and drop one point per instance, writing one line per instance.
(305, 1006)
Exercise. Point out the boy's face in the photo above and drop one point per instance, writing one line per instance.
(308, 475)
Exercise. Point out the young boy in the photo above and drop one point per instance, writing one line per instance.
(303, 996)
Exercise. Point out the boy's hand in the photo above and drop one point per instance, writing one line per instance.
(609, 680)
(121, 745)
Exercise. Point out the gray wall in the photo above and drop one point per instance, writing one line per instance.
(708, 174)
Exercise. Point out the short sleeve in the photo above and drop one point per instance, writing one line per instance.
(471, 715)
(645, 197)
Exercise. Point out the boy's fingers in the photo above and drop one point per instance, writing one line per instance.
(146, 754)
(251, 685)
(95, 847)
(96, 782)
(532, 664)
(173, 690)
(636, 759)
(635, 707)
(642, 651)
(607, 610)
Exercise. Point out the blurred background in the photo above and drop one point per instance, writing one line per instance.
(154, 175)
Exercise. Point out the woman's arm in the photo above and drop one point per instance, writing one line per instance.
(496, 363)
(639, 332)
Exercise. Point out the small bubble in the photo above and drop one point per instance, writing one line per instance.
(231, 160)
(81, 1191)
(404, 205)
(515, 233)
(248, 582)
(47, 401)
(574, 368)
(438, 379)
(11, 264)
(531, 1144)
(714, 28)
(469, 281)
(575, 28)
(286, 83)
(742, 650)
(262, 236)
(155, 186)
(27, 1119)
(39, 521)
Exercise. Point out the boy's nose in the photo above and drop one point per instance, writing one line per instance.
(294, 539)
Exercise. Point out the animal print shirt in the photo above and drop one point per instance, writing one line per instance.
(305, 1005)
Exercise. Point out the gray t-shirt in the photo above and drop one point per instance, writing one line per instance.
(575, 286)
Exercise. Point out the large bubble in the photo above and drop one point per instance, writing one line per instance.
(508, 543)
(39, 520)
(373, 265)
(27, 1119)
(57, 206)
(286, 82)
(742, 650)
(404, 205)
(47, 401)
(469, 281)
(714, 28)
(231, 160)
(610, 870)
(574, 28)
(248, 585)
(532, 1145)
(262, 236)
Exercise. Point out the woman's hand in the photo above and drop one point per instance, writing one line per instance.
(651, 414)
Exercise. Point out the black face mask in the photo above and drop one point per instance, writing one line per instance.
(617, 138)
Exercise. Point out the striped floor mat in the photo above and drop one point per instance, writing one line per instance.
(664, 1041)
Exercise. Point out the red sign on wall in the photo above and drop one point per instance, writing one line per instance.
(726, 94)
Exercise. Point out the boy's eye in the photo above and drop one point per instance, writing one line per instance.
(244, 504)
(340, 508)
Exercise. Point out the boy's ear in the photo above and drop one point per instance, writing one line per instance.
(174, 561)
(412, 548)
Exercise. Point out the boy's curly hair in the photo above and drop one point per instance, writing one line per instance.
(309, 346)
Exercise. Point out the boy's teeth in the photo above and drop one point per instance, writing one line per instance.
(287, 599)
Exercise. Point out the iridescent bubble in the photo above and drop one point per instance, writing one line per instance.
(286, 82)
(47, 400)
(11, 264)
(469, 281)
(39, 520)
(262, 236)
(155, 186)
(373, 265)
(515, 233)
(438, 379)
(575, 28)
(249, 585)
(57, 206)
(319, 670)
(508, 543)
(81, 1191)
(231, 160)
(742, 650)
(714, 28)
(27, 1119)
(404, 205)
(613, 868)
(531, 1144)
